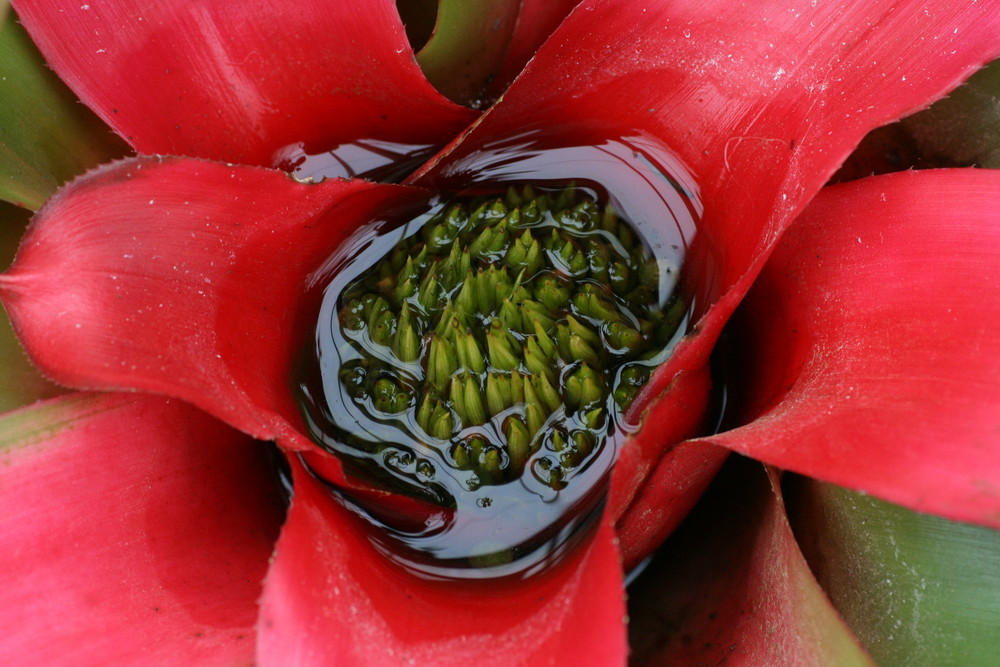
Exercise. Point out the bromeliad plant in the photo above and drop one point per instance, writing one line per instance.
(512, 340)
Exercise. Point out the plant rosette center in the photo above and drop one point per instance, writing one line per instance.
(479, 358)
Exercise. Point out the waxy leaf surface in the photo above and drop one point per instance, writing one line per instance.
(136, 531)
(332, 598)
(868, 353)
(187, 278)
(239, 81)
(920, 590)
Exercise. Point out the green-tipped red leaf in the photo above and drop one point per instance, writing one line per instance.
(136, 531)
(535, 22)
(467, 46)
(187, 278)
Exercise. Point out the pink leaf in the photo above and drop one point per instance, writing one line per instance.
(868, 349)
(186, 278)
(136, 531)
(331, 598)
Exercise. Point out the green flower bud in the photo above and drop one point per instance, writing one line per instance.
(490, 462)
(531, 213)
(389, 398)
(546, 393)
(498, 396)
(469, 355)
(518, 442)
(535, 361)
(552, 293)
(406, 343)
(503, 355)
(624, 338)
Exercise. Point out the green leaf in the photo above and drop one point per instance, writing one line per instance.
(418, 19)
(467, 46)
(20, 383)
(46, 136)
(730, 586)
(963, 128)
(917, 589)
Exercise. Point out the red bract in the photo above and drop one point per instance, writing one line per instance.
(136, 531)
(184, 277)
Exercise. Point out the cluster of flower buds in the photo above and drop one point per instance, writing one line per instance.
(506, 326)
